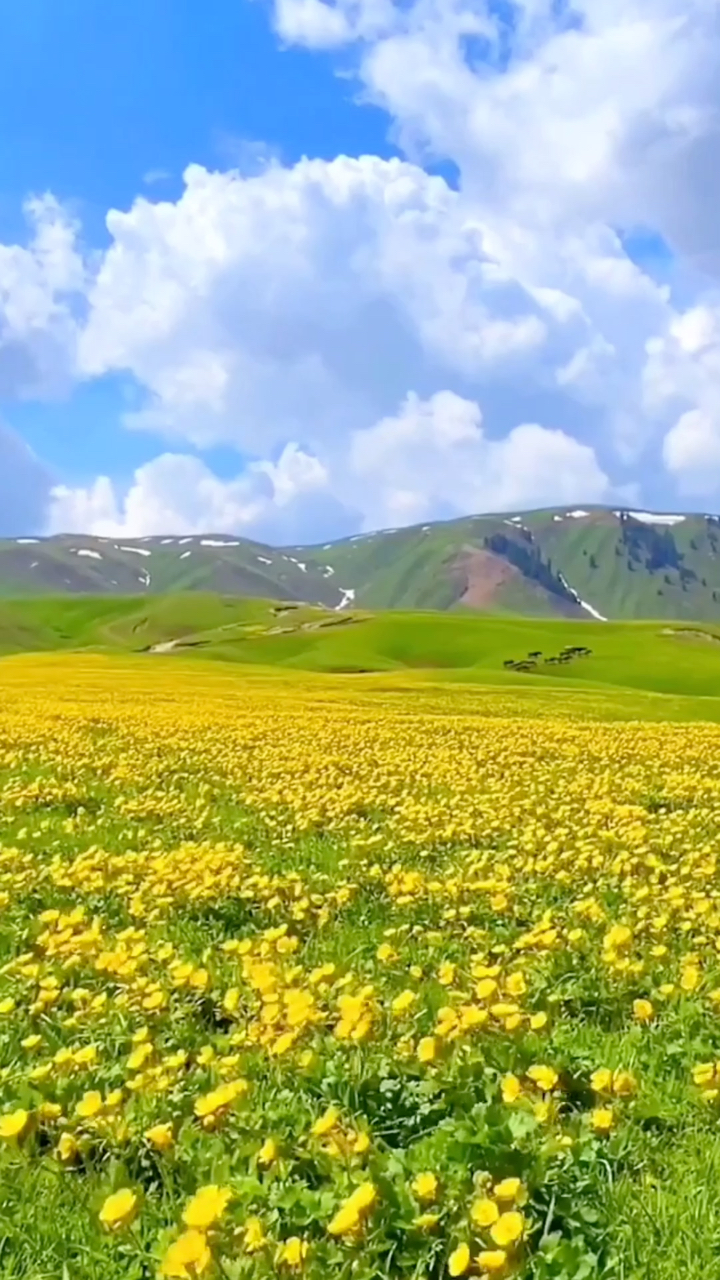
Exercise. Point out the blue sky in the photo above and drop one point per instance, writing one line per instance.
(102, 102)
(94, 97)
(506, 295)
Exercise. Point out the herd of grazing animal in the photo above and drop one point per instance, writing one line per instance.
(530, 663)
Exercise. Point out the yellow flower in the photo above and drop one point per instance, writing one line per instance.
(427, 1048)
(14, 1124)
(292, 1252)
(690, 977)
(67, 1149)
(254, 1237)
(211, 1106)
(90, 1105)
(119, 1209)
(426, 1221)
(545, 1078)
(351, 1213)
(602, 1120)
(510, 1191)
(624, 1084)
(206, 1207)
(86, 1056)
(704, 1074)
(459, 1260)
(643, 1011)
(484, 1212)
(160, 1136)
(516, 984)
(425, 1187)
(490, 1260)
(485, 988)
(49, 1111)
(139, 1056)
(268, 1152)
(402, 1003)
(508, 1229)
(601, 1080)
(188, 1256)
(325, 1123)
(345, 1222)
(283, 1043)
(511, 1088)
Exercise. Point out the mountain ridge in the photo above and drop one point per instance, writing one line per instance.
(593, 562)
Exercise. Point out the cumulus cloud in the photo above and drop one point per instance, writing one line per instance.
(557, 114)
(41, 291)
(433, 458)
(681, 380)
(304, 303)
(569, 127)
(179, 494)
(430, 459)
(692, 450)
(319, 25)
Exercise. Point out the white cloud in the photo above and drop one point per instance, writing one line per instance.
(599, 112)
(691, 450)
(681, 380)
(178, 494)
(300, 303)
(313, 23)
(564, 124)
(304, 303)
(40, 287)
(434, 458)
(319, 25)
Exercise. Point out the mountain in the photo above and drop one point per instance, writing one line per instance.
(82, 565)
(592, 562)
(573, 563)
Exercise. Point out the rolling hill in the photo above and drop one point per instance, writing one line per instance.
(452, 646)
(583, 563)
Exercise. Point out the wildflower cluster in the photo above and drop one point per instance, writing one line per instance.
(300, 983)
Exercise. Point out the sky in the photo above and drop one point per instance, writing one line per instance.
(301, 269)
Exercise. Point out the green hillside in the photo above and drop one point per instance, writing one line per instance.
(573, 563)
(80, 564)
(581, 563)
(469, 647)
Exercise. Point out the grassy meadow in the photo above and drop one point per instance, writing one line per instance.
(359, 976)
(679, 659)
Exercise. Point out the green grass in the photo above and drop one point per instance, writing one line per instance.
(644, 657)
(234, 743)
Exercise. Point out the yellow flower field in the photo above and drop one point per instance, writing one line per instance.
(327, 979)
